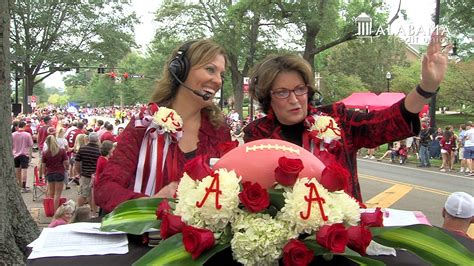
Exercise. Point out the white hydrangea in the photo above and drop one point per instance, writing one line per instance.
(208, 216)
(259, 239)
(168, 123)
(295, 204)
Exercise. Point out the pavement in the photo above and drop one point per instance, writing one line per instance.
(36, 206)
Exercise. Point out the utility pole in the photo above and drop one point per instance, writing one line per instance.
(433, 99)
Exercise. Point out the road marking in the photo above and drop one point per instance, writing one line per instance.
(388, 197)
(429, 170)
(388, 181)
(470, 231)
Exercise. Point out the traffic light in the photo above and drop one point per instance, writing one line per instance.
(100, 70)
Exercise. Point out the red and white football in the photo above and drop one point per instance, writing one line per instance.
(256, 161)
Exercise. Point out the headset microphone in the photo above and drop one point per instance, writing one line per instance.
(206, 96)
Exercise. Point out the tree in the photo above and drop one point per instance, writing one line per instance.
(457, 90)
(369, 59)
(457, 15)
(251, 29)
(17, 228)
(50, 36)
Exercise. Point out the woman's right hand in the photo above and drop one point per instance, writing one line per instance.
(167, 191)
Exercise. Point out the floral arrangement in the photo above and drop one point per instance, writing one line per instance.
(293, 222)
(168, 120)
(323, 127)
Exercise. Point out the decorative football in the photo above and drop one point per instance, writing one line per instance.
(256, 161)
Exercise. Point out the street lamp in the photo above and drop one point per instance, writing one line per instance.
(388, 76)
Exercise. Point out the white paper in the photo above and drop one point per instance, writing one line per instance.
(87, 228)
(61, 241)
(395, 217)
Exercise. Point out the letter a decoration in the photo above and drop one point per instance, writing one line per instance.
(215, 182)
(310, 199)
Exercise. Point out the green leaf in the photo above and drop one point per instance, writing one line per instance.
(133, 216)
(276, 198)
(429, 243)
(171, 252)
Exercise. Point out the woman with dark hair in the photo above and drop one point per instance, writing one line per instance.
(283, 85)
(182, 122)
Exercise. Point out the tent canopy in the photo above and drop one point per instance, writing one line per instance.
(372, 101)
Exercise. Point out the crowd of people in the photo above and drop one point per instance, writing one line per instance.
(150, 157)
(446, 145)
(72, 148)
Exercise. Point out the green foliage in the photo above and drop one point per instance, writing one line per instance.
(457, 90)
(457, 15)
(404, 78)
(51, 34)
(337, 86)
(369, 59)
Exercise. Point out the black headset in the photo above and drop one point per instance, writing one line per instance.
(179, 66)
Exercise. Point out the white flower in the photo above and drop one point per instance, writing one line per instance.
(295, 205)
(168, 120)
(208, 216)
(343, 208)
(326, 127)
(259, 239)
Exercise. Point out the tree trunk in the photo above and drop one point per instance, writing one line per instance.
(17, 228)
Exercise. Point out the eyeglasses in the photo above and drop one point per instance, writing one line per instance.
(285, 93)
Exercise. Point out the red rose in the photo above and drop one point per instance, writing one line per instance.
(225, 147)
(333, 237)
(170, 225)
(359, 238)
(334, 177)
(196, 240)
(163, 207)
(295, 253)
(372, 219)
(254, 197)
(288, 170)
(198, 167)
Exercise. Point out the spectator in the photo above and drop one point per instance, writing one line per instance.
(63, 214)
(43, 132)
(108, 135)
(82, 214)
(469, 148)
(461, 139)
(54, 162)
(86, 161)
(425, 143)
(458, 213)
(22, 142)
(370, 154)
(448, 146)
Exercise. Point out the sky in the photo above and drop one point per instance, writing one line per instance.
(418, 15)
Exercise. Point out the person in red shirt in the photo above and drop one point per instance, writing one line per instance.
(43, 132)
(189, 91)
(283, 86)
(108, 135)
(54, 163)
(106, 151)
(72, 134)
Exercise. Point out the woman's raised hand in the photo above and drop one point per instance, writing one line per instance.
(435, 62)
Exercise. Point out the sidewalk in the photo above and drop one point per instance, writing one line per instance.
(36, 207)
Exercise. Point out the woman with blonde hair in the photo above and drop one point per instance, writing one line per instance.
(184, 94)
(54, 162)
(63, 214)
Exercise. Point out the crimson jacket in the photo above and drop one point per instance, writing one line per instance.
(117, 181)
(358, 130)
